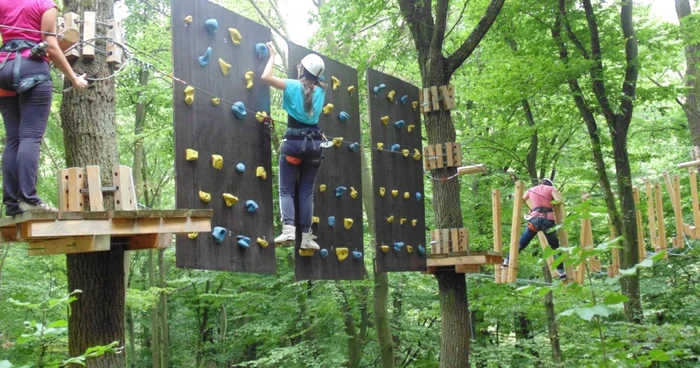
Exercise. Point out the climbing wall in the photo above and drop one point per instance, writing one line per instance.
(223, 157)
(397, 174)
(338, 188)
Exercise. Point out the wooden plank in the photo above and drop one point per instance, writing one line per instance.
(145, 241)
(76, 182)
(439, 163)
(515, 231)
(431, 157)
(435, 242)
(690, 164)
(445, 241)
(694, 196)
(467, 268)
(125, 196)
(445, 97)
(116, 53)
(669, 189)
(661, 240)
(474, 259)
(62, 189)
(94, 182)
(115, 227)
(640, 228)
(161, 213)
(451, 97)
(435, 98)
(426, 159)
(88, 34)
(678, 212)
(650, 214)
(473, 169)
(448, 155)
(563, 236)
(70, 245)
(457, 151)
(426, 100)
(463, 235)
(496, 220)
(454, 241)
(70, 23)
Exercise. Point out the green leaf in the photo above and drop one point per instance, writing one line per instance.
(587, 313)
(615, 298)
(59, 323)
(659, 355)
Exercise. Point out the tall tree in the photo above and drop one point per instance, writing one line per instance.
(428, 31)
(689, 32)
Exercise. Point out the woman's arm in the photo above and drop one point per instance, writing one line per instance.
(48, 24)
(267, 75)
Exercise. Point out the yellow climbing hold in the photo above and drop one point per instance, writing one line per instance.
(390, 219)
(261, 173)
(416, 154)
(385, 120)
(315, 220)
(188, 19)
(409, 248)
(337, 141)
(306, 252)
(390, 96)
(411, 127)
(192, 236)
(342, 253)
(406, 195)
(248, 80)
(348, 223)
(236, 37)
(380, 145)
(217, 162)
(405, 152)
(263, 243)
(328, 108)
(260, 116)
(204, 196)
(402, 221)
(215, 101)
(336, 83)
(394, 192)
(225, 67)
(414, 222)
(385, 248)
(415, 104)
(191, 155)
(353, 193)
(322, 188)
(382, 191)
(230, 199)
(189, 95)
(351, 89)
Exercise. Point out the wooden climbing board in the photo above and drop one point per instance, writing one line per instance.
(213, 129)
(397, 175)
(341, 167)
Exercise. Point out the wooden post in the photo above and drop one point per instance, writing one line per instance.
(70, 26)
(694, 197)
(63, 190)
(640, 230)
(76, 182)
(515, 230)
(550, 260)
(125, 196)
(88, 34)
(94, 187)
(614, 269)
(650, 215)
(496, 220)
(661, 240)
(669, 189)
(586, 243)
(434, 98)
(563, 237)
(678, 212)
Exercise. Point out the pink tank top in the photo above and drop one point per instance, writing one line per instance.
(23, 14)
(541, 196)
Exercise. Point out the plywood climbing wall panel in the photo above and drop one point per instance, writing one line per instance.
(395, 120)
(212, 129)
(341, 167)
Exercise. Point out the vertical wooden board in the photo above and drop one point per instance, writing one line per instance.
(426, 158)
(439, 162)
(434, 242)
(669, 189)
(435, 98)
(650, 214)
(88, 34)
(394, 171)
(446, 237)
(694, 196)
(451, 97)
(448, 155)
(661, 240)
(125, 196)
(70, 22)
(457, 152)
(62, 190)
(95, 188)
(340, 167)
(515, 231)
(463, 240)
(445, 97)
(426, 100)
(680, 239)
(640, 229)
(431, 157)
(496, 220)
(76, 182)
(454, 241)
(213, 129)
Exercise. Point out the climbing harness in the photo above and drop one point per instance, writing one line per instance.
(17, 47)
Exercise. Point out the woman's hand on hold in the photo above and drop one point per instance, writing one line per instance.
(79, 82)
(271, 47)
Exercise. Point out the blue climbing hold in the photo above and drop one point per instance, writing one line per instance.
(378, 89)
(418, 196)
(396, 147)
(353, 147)
(204, 59)
(356, 254)
(398, 246)
(240, 167)
(399, 124)
(238, 109)
(421, 250)
(212, 25)
(243, 241)
(324, 253)
(343, 117)
(251, 206)
(404, 99)
(219, 234)
(331, 221)
(262, 50)
(339, 191)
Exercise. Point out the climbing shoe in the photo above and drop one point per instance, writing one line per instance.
(307, 241)
(39, 207)
(562, 275)
(505, 262)
(288, 235)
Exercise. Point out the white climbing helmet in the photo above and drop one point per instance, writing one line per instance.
(314, 64)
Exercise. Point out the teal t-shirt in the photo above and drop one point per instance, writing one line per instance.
(293, 102)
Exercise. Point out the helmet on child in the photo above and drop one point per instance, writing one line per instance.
(313, 64)
(547, 181)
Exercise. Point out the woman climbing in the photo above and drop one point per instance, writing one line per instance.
(301, 151)
(28, 30)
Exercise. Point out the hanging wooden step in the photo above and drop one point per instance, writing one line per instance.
(439, 156)
(431, 97)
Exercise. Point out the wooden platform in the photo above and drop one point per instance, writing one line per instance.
(462, 263)
(77, 232)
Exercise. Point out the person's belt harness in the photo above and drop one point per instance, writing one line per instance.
(18, 46)
(543, 210)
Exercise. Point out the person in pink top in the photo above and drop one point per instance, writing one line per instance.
(28, 30)
(541, 218)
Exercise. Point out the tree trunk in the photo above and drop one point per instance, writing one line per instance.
(692, 72)
(155, 325)
(90, 138)
(132, 339)
(454, 307)
(552, 326)
(531, 159)
(163, 312)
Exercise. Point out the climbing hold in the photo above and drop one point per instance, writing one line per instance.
(217, 162)
(409, 248)
(421, 250)
(212, 25)
(418, 196)
(378, 89)
(395, 147)
(215, 101)
(337, 141)
(382, 191)
(331, 221)
(191, 155)
(414, 222)
(315, 220)
(404, 99)
(243, 241)
(414, 104)
(261, 50)
(328, 108)
(351, 89)
(353, 193)
(188, 19)
(406, 195)
(348, 223)
(251, 206)
(219, 234)
(356, 254)
(399, 124)
(204, 59)
(261, 116)
(306, 252)
(385, 248)
(416, 154)
(192, 236)
(405, 152)
(225, 67)
(353, 147)
(204, 196)
(336, 82)
(236, 37)
(240, 167)
(324, 253)
(385, 120)
(411, 127)
(394, 193)
(238, 109)
(261, 173)
(248, 76)
(230, 199)
(402, 221)
(390, 219)
(390, 96)
(398, 246)
(262, 242)
(339, 191)
(343, 117)
(342, 253)
(380, 145)
(189, 95)
(322, 188)
(322, 79)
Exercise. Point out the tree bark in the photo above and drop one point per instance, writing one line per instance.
(691, 107)
(155, 326)
(552, 326)
(163, 312)
(132, 339)
(531, 159)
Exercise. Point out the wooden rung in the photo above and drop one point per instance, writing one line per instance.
(69, 245)
(515, 231)
(434, 98)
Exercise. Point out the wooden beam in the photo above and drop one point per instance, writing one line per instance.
(69, 245)
(70, 26)
(515, 231)
(669, 189)
(661, 240)
(94, 181)
(88, 34)
(116, 227)
(694, 197)
(650, 214)
(684, 165)
(640, 229)
(125, 196)
(62, 190)
(473, 169)
(497, 232)
(563, 237)
(473, 259)
(678, 212)
(76, 182)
